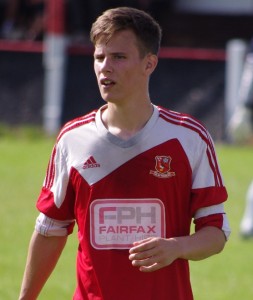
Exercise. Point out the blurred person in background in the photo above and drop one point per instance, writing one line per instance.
(23, 19)
(36, 20)
(240, 130)
(79, 17)
(133, 176)
(11, 10)
(246, 226)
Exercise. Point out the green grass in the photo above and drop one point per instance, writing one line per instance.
(23, 161)
(228, 276)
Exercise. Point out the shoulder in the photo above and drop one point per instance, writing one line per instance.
(184, 121)
(76, 123)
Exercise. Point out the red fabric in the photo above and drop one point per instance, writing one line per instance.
(215, 220)
(174, 164)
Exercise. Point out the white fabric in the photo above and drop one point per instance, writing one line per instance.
(50, 227)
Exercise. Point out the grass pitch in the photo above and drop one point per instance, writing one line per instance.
(23, 162)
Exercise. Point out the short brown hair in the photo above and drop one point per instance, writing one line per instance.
(148, 32)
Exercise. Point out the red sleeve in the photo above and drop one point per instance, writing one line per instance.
(208, 196)
(215, 220)
(46, 205)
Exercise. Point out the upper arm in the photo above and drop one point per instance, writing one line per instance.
(213, 216)
(50, 227)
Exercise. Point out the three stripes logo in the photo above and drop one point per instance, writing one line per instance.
(90, 163)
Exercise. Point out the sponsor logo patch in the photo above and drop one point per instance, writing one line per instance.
(117, 223)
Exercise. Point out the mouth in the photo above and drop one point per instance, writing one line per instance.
(107, 82)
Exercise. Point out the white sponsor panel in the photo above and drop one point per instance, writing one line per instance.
(117, 223)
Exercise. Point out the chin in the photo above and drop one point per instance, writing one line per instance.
(109, 99)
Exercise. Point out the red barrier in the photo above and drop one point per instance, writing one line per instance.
(21, 46)
(192, 53)
(165, 52)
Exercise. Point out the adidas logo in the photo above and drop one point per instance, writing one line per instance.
(91, 163)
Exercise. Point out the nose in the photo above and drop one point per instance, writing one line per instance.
(106, 65)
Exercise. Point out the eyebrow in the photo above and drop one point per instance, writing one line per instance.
(111, 53)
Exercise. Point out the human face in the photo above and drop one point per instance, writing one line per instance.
(120, 70)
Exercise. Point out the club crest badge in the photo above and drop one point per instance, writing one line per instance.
(162, 167)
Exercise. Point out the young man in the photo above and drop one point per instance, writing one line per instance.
(133, 176)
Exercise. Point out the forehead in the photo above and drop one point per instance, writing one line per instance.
(122, 41)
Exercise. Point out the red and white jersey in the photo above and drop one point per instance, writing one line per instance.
(119, 191)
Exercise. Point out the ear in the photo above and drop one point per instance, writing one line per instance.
(151, 63)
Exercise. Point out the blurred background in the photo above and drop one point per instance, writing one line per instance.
(46, 79)
(46, 71)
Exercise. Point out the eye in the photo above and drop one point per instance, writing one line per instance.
(119, 56)
(99, 57)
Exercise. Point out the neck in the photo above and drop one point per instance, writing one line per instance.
(125, 122)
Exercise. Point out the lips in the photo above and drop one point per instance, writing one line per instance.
(107, 82)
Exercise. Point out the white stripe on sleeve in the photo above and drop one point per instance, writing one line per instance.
(51, 227)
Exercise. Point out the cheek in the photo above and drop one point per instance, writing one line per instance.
(134, 75)
(96, 69)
